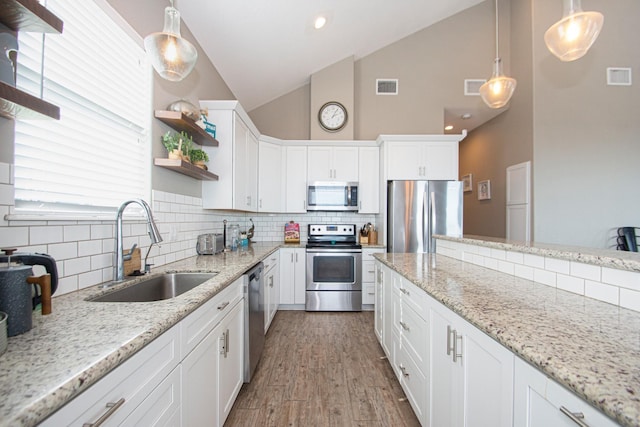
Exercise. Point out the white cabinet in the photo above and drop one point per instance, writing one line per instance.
(541, 402)
(369, 180)
(272, 288)
(271, 177)
(212, 369)
(387, 311)
(379, 289)
(235, 160)
(292, 276)
(369, 275)
(295, 166)
(410, 332)
(328, 163)
(131, 386)
(471, 374)
(422, 160)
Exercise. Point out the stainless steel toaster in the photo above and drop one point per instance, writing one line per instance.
(209, 244)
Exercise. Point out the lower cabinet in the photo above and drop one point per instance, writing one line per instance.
(293, 276)
(541, 402)
(378, 307)
(189, 376)
(272, 288)
(368, 275)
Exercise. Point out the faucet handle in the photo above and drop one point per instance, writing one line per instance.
(128, 256)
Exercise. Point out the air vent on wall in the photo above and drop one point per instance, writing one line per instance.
(386, 86)
(472, 86)
(618, 76)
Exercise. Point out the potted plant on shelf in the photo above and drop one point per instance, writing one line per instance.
(199, 158)
(177, 145)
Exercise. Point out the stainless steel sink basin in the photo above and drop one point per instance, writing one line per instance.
(157, 288)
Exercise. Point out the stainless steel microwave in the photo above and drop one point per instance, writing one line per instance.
(332, 196)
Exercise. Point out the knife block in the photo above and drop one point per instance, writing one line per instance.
(134, 263)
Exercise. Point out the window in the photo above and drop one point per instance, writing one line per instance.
(98, 154)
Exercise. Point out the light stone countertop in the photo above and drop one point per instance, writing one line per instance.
(81, 341)
(611, 258)
(590, 347)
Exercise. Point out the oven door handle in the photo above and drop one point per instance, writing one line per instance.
(334, 251)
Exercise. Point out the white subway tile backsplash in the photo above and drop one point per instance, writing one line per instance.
(557, 265)
(621, 278)
(101, 261)
(6, 175)
(39, 235)
(77, 265)
(630, 299)
(62, 251)
(90, 247)
(585, 271)
(6, 194)
(66, 285)
(486, 252)
(74, 233)
(14, 236)
(544, 276)
(506, 267)
(89, 279)
(491, 263)
(602, 292)
(570, 283)
(535, 261)
(499, 254)
(102, 231)
(524, 272)
(515, 257)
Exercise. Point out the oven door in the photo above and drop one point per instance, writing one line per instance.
(334, 269)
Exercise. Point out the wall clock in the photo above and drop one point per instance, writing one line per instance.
(332, 116)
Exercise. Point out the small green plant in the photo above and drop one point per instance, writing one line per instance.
(198, 155)
(177, 141)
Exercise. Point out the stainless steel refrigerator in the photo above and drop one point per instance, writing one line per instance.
(416, 210)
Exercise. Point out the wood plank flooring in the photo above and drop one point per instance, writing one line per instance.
(322, 369)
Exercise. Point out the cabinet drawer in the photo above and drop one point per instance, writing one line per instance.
(199, 323)
(271, 261)
(415, 297)
(162, 406)
(415, 335)
(368, 271)
(414, 383)
(368, 293)
(131, 382)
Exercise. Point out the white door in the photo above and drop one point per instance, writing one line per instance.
(519, 202)
(319, 165)
(296, 179)
(369, 180)
(345, 164)
(251, 171)
(271, 173)
(405, 160)
(300, 276)
(287, 276)
(230, 360)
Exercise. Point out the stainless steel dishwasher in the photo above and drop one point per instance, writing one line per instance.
(253, 319)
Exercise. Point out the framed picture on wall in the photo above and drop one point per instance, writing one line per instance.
(484, 190)
(467, 183)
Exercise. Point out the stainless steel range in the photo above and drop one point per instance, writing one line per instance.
(334, 268)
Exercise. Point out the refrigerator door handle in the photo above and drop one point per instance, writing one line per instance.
(432, 219)
(425, 222)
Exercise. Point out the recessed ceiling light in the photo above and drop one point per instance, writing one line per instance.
(319, 22)
(465, 116)
(449, 127)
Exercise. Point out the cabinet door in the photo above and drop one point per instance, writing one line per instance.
(487, 380)
(251, 172)
(199, 382)
(404, 160)
(230, 360)
(387, 315)
(240, 178)
(287, 276)
(300, 276)
(345, 164)
(369, 180)
(272, 295)
(162, 406)
(379, 289)
(319, 165)
(443, 401)
(271, 178)
(440, 160)
(296, 179)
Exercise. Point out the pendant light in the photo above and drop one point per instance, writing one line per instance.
(497, 91)
(171, 56)
(571, 37)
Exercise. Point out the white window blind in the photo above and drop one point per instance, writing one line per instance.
(98, 154)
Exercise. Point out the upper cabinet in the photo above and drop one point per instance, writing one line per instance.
(421, 157)
(26, 15)
(295, 193)
(369, 180)
(332, 163)
(235, 159)
(271, 176)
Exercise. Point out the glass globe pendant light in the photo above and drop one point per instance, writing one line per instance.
(171, 56)
(498, 90)
(571, 37)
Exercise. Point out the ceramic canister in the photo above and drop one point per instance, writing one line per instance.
(15, 298)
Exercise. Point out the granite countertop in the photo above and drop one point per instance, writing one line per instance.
(591, 347)
(81, 341)
(621, 260)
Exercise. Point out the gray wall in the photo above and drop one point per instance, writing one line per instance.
(504, 141)
(204, 82)
(286, 117)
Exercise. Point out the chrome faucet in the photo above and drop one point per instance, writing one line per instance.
(154, 235)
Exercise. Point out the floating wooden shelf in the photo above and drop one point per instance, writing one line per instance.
(180, 122)
(28, 15)
(16, 104)
(186, 168)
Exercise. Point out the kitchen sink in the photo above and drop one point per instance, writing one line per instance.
(157, 288)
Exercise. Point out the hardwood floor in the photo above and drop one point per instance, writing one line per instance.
(322, 369)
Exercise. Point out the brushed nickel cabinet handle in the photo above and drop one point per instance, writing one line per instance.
(111, 408)
(404, 326)
(449, 348)
(576, 417)
(223, 305)
(456, 355)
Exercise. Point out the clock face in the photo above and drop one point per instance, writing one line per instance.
(332, 116)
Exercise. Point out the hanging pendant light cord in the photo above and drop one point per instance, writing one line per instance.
(497, 33)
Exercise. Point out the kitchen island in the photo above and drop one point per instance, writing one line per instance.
(81, 341)
(590, 347)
